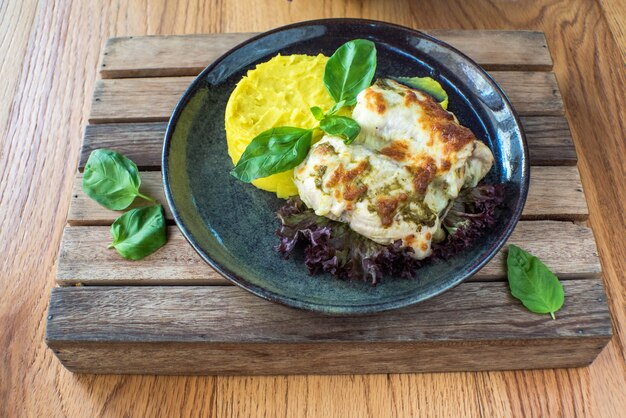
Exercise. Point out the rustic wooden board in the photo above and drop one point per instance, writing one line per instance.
(183, 328)
(159, 56)
(568, 249)
(555, 193)
(549, 141)
(153, 99)
(209, 330)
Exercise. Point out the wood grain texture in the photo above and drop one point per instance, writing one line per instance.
(228, 331)
(568, 249)
(163, 56)
(53, 77)
(549, 141)
(615, 14)
(555, 193)
(153, 99)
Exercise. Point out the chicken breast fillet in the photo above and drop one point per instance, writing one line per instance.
(410, 160)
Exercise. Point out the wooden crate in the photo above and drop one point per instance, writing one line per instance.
(172, 314)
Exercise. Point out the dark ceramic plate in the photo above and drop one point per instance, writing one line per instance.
(232, 224)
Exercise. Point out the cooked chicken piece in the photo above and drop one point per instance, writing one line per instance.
(411, 158)
(413, 129)
(371, 192)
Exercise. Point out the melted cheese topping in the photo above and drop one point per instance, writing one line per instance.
(393, 183)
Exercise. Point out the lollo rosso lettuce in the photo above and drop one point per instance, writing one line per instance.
(332, 247)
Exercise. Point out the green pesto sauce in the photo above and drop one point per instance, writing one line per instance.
(319, 174)
(417, 212)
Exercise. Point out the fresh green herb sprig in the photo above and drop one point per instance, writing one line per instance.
(533, 283)
(113, 181)
(273, 151)
(139, 232)
(348, 71)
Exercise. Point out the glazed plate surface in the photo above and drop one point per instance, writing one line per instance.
(232, 224)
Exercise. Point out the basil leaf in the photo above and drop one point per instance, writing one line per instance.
(273, 151)
(429, 86)
(341, 126)
(318, 113)
(139, 232)
(111, 179)
(350, 69)
(335, 108)
(533, 283)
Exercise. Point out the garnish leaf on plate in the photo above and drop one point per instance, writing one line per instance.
(341, 126)
(317, 112)
(273, 151)
(349, 70)
(335, 108)
(112, 179)
(139, 232)
(533, 283)
(427, 85)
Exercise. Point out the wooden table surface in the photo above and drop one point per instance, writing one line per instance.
(49, 53)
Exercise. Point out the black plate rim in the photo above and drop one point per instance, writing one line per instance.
(340, 309)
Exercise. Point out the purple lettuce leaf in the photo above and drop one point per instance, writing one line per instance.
(334, 248)
(471, 213)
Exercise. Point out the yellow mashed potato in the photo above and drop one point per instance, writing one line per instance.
(278, 92)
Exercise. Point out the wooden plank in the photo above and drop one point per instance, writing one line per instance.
(136, 99)
(162, 56)
(323, 359)
(225, 330)
(567, 248)
(165, 56)
(555, 193)
(153, 99)
(141, 142)
(84, 258)
(549, 141)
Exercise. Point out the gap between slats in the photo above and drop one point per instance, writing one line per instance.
(555, 193)
(568, 249)
(187, 55)
(549, 141)
(153, 99)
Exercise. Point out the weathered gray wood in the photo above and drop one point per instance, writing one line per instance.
(160, 56)
(555, 193)
(568, 249)
(327, 358)
(153, 99)
(549, 141)
(141, 142)
(225, 330)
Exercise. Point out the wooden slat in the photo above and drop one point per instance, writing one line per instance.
(153, 99)
(555, 193)
(225, 330)
(84, 258)
(136, 99)
(568, 249)
(160, 56)
(549, 141)
(141, 142)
